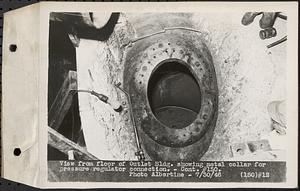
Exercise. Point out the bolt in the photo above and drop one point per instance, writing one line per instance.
(144, 68)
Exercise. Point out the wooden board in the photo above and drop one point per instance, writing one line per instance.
(63, 101)
(65, 145)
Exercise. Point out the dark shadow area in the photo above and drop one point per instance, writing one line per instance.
(74, 22)
(62, 59)
(174, 94)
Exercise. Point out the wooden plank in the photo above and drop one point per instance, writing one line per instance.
(63, 101)
(64, 145)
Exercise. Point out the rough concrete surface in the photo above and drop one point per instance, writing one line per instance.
(249, 77)
(108, 134)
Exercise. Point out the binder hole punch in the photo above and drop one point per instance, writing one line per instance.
(17, 151)
(13, 47)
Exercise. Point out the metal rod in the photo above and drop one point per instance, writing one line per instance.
(115, 105)
(183, 28)
(140, 152)
(282, 16)
(163, 31)
(131, 115)
(277, 42)
(101, 97)
(160, 32)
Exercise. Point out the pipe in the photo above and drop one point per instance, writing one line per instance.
(277, 42)
(140, 152)
(282, 16)
(115, 105)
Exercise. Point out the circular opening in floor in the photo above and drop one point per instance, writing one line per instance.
(174, 94)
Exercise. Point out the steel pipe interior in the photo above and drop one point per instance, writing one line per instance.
(174, 94)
